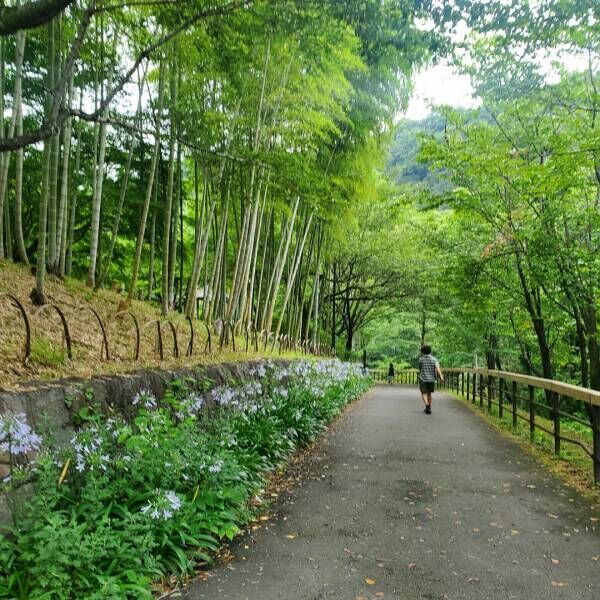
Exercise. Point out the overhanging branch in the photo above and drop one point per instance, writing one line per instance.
(56, 116)
(30, 14)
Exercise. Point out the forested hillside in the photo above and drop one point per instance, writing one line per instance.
(200, 154)
(246, 161)
(504, 259)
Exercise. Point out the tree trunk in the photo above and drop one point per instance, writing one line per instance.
(124, 182)
(151, 175)
(151, 264)
(294, 271)
(173, 248)
(73, 215)
(54, 158)
(97, 198)
(167, 217)
(61, 241)
(276, 279)
(215, 280)
(38, 295)
(16, 123)
(200, 250)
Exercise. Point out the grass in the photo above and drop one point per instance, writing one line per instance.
(48, 360)
(572, 465)
(44, 353)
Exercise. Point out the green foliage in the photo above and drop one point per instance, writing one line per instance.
(45, 353)
(153, 494)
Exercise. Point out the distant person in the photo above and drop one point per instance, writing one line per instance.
(429, 368)
(391, 373)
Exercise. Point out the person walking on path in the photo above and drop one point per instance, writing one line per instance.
(429, 368)
(391, 373)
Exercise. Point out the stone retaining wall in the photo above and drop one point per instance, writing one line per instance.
(51, 406)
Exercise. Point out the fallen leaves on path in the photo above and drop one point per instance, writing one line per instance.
(369, 581)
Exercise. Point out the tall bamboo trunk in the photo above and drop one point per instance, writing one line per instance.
(293, 273)
(247, 310)
(240, 255)
(38, 295)
(200, 250)
(316, 290)
(215, 280)
(151, 264)
(16, 122)
(61, 242)
(173, 244)
(151, 175)
(278, 272)
(97, 198)
(20, 242)
(248, 273)
(124, 182)
(258, 313)
(73, 211)
(54, 157)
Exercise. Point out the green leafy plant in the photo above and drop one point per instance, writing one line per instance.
(44, 353)
(134, 498)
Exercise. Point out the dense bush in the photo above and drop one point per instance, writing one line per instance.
(131, 500)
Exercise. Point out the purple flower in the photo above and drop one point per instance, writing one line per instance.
(16, 436)
(146, 399)
(162, 505)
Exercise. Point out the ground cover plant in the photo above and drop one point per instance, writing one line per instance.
(137, 497)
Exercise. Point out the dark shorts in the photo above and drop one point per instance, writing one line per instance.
(427, 386)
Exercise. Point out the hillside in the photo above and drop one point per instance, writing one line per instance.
(49, 360)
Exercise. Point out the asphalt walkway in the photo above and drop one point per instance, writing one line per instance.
(397, 504)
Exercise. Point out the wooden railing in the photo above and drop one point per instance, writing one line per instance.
(524, 397)
(404, 376)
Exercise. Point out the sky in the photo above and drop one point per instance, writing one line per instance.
(439, 84)
(443, 84)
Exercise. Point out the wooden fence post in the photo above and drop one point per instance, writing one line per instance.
(596, 440)
(500, 397)
(556, 419)
(481, 390)
(531, 411)
(514, 404)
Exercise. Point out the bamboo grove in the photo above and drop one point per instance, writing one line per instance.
(196, 153)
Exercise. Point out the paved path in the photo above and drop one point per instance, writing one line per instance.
(426, 507)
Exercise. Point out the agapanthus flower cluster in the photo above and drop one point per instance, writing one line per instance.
(216, 467)
(162, 505)
(318, 376)
(245, 398)
(90, 453)
(223, 395)
(259, 371)
(314, 376)
(16, 436)
(281, 391)
(190, 406)
(145, 399)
